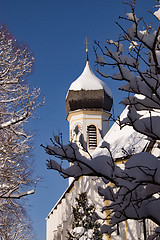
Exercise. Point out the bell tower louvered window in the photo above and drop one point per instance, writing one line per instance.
(92, 136)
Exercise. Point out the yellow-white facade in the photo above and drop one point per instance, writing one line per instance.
(85, 118)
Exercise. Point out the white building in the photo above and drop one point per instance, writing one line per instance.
(88, 105)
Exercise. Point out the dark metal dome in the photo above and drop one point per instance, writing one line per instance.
(88, 92)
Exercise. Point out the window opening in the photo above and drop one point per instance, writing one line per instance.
(92, 136)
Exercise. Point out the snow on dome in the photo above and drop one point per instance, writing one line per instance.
(88, 81)
(88, 92)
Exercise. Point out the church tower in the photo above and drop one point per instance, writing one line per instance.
(88, 105)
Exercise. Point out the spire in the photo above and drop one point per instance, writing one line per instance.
(87, 48)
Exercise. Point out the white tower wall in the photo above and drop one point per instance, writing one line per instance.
(85, 118)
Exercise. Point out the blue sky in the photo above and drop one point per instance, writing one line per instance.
(55, 31)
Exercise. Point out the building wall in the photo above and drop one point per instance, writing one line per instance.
(60, 218)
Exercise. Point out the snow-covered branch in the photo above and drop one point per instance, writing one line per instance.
(102, 166)
(139, 67)
(136, 185)
(135, 189)
(18, 103)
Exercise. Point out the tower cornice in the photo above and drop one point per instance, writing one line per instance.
(89, 112)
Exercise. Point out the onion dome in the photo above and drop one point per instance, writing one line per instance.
(88, 92)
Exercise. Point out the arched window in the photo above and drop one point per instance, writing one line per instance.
(92, 136)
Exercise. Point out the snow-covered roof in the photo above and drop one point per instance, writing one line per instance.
(88, 81)
(123, 142)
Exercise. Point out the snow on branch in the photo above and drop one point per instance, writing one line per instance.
(11, 195)
(139, 67)
(81, 165)
(135, 185)
(135, 189)
(18, 103)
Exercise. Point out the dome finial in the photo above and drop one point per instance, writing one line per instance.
(87, 47)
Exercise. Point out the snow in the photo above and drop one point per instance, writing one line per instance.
(136, 85)
(123, 141)
(157, 14)
(147, 39)
(118, 45)
(100, 59)
(145, 121)
(131, 31)
(78, 230)
(132, 17)
(158, 56)
(133, 44)
(88, 81)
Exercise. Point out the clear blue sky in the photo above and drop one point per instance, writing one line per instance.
(55, 32)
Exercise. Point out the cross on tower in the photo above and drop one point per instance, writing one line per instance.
(86, 42)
